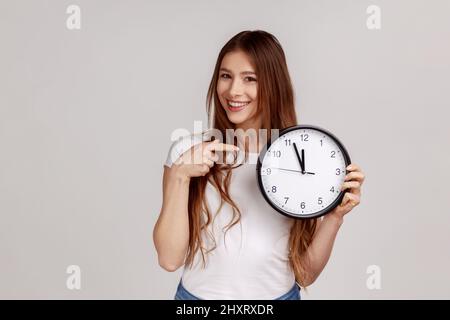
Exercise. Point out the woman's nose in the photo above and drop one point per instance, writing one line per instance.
(236, 88)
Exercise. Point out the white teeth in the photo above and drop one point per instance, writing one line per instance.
(237, 104)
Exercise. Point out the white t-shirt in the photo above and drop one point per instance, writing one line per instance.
(250, 260)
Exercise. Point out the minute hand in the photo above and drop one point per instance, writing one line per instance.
(306, 172)
(302, 164)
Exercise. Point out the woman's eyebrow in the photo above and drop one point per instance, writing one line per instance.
(244, 72)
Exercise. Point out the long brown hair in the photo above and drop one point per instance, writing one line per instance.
(276, 105)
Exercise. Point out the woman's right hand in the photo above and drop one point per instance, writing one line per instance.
(200, 158)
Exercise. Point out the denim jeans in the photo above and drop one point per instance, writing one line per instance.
(183, 294)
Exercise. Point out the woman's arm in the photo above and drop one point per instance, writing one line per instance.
(171, 232)
(319, 251)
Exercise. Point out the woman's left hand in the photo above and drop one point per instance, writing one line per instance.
(353, 181)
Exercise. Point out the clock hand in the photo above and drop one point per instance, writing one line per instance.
(304, 172)
(302, 165)
(304, 160)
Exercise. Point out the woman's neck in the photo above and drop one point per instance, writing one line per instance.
(248, 134)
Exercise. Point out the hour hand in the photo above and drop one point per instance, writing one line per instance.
(300, 159)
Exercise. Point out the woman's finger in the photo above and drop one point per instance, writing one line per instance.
(350, 200)
(222, 147)
(356, 175)
(353, 167)
(351, 185)
(345, 199)
(215, 157)
(207, 153)
(208, 162)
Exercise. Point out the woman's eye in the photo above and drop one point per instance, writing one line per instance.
(227, 76)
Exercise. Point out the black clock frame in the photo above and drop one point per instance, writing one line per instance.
(322, 212)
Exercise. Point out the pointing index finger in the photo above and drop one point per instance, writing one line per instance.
(222, 147)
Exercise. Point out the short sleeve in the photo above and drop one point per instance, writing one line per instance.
(180, 146)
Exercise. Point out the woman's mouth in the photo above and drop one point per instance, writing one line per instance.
(236, 105)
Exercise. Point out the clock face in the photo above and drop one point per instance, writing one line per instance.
(301, 173)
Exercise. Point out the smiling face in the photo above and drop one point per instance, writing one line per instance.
(237, 88)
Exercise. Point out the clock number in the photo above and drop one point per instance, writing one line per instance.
(338, 171)
(268, 171)
(287, 198)
(333, 154)
(302, 205)
(304, 137)
(274, 189)
(276, 153)
(288, 142)
(321, 143)
(332, 189)
(319, 200)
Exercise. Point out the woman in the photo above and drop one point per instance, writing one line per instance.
(214, 220)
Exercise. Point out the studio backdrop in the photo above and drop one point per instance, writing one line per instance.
(92, 91)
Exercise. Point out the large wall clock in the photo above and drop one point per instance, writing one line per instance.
(300, 174)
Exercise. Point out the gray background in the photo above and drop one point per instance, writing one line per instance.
(86, 118)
